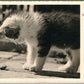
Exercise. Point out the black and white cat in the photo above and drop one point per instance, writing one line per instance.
(42, 30)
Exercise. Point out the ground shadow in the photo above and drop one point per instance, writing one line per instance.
(58, 74)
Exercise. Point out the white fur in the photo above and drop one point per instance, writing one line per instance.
(29, 34)
(75, 61)
(38, 64)
(29, 28)
(66, 66)
(31, 55)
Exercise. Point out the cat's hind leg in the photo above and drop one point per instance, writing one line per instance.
(72, 65)
(66, 66)
(75, 61)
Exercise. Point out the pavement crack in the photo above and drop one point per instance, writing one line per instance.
(12, 57)
(9, 58)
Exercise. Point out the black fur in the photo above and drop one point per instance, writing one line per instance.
(12, 32)
(61, 29)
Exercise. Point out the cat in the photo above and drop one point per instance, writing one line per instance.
(42, 30)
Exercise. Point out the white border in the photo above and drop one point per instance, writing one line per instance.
(50, 80)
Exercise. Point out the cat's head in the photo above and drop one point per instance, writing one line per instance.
(10, 28)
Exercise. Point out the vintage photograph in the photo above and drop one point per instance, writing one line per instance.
(40, 41)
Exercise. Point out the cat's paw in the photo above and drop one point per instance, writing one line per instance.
(35, 68)
(72, 69)
(26, 66)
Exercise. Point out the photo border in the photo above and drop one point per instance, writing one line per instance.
(50, 80)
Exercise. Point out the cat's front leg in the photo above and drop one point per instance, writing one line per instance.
(40, 59)
(31, 54)
(38, 64)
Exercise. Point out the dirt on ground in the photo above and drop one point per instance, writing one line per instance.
(11, 67)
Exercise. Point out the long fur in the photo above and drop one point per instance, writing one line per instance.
(41, 31)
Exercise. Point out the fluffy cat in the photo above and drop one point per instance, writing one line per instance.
(41, 31)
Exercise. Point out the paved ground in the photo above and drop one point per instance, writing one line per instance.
(11, 67)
